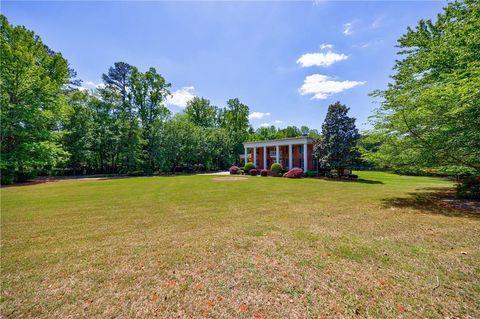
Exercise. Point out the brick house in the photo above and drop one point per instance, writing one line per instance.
(290, 152)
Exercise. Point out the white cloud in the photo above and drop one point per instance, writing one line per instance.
(321, 59)
(265, 125)
(378, 22)
(321, 86)
(257, 115)
(347, 28)
(278, 122)
(326, 46)
(90, 85)
(181, 97)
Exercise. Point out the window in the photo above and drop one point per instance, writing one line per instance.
(301, 149)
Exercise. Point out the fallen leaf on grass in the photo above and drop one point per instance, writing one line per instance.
(171, 283)
(400, 308)
(155, 296)
(243, 307)
(209, 303)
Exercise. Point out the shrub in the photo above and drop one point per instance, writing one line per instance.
(25, 175)
(234, 170)
(253, 172)
(469, 188)
(295, 173)
(353, 176)
(276, 169)
(248, 167)
(264, 172)
(135, 173)
(311, 173)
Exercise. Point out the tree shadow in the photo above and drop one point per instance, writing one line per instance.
(434, 200)
(359, 180)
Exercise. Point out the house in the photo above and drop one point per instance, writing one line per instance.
(289, 152)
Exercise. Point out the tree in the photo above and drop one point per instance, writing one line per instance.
(200, 112)
(149, 91)
(118, 85)
(335, 149)
(235, 121)
(430, 113)
(78, 131)
(32, 79)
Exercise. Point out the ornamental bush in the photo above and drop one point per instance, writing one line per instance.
(311, 173)
(248, 167)
(264, 172)
(253, 172)
(295, 173)
(276, 169)
(234, 170)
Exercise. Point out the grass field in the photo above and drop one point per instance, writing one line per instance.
(192, 246)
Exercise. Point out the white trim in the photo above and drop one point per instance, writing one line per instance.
(280, 142)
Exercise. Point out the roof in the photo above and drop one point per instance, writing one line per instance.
(280, 141)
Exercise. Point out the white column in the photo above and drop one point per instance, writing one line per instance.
(277, 154)
(290, 156)
(305, 157)
(255, 156)
(265, 157)
(246, 153)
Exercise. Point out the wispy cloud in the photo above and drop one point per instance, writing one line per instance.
(257, 115)
(326, 46)
(265, 125)
(181, 97)
(324, 59)
(278, 122)
(322, 86)
(348, 28)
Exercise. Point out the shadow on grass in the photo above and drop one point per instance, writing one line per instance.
(359, 180)
(441, 201)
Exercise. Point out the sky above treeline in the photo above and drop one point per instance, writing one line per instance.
(286, 60)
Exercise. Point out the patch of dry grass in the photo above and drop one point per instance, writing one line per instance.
(264, 248)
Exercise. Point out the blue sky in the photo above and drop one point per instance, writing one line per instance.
(286, 60)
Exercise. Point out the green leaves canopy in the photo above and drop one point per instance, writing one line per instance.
(430, 113)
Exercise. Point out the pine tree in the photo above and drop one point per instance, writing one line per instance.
(335, 149)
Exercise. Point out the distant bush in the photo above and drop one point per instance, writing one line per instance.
(264, 172)
(276, 169)
(253, 172)
(25, 175)
(135, 173)
(235, 170)
(311, 173)
(353, 176)
(248, 167)
(295, 173)
(469, 188)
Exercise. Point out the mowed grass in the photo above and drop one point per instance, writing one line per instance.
(192, 246)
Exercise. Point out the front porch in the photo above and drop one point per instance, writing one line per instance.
(289, 152)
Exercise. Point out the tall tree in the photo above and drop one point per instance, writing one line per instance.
(335, 149)
(201, 112)
(118, 81)
(78, 131)
(430, 113)
(32, 80)
(236, 123)
(149, 91)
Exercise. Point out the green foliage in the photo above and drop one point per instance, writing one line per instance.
(122, 127)
(271, 133)
(336, 147)
(469, 188)
(430, 113)
(311, 173)
(276, 168)
(248, 166)
(32, 79)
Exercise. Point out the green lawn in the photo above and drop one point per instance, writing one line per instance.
(192, 246)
